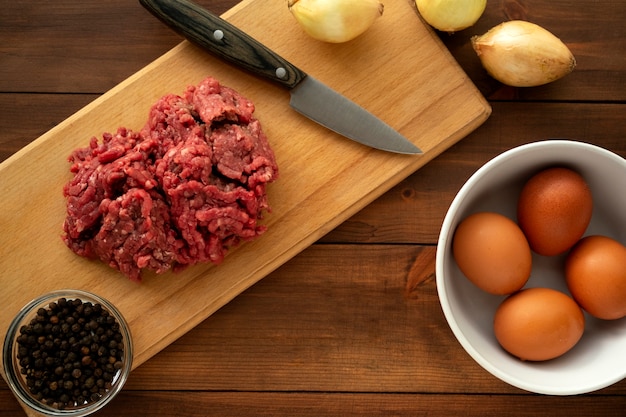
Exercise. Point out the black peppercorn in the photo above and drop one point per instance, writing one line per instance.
(69, 353)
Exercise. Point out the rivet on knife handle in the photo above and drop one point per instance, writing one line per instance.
(308, 96)
(224, 40)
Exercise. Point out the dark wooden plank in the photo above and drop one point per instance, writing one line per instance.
(68, 46)
(87, 47)
(342, 329)
(297, 404)
(25, 117)
(8, 403)
(359, 405)
(594, 32)
(299, 332)
(348, 318)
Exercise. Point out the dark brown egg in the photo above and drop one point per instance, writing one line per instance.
(554, 210)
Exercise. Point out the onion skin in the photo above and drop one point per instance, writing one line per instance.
(451, 15)
(335, 21)
(523, 54)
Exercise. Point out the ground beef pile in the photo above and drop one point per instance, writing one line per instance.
(188, 186)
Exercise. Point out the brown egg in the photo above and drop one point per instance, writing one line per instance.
(538, 324)
(595, 271)
(554, 210)
(492, 252)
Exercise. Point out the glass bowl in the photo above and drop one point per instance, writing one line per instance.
(67, 353)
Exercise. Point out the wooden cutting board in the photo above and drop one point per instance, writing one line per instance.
(399, 70)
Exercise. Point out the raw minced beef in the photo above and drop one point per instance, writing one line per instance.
(184, 189)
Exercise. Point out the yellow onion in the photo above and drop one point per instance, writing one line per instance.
(523, 54)
(451, 15)
(335, 21)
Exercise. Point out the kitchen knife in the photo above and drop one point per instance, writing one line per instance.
(308, 96)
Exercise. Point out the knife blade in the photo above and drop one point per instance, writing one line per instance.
(309, 97)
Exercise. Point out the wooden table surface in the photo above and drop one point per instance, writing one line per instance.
(351, 326)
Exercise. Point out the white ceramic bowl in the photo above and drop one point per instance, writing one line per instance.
(599, 359)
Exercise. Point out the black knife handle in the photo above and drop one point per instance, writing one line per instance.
(223, 39)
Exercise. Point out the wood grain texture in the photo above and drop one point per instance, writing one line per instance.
(419, 203)
(232, 404)
(322, 336)
(198, 25)
(594, 32)
(320, 185)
